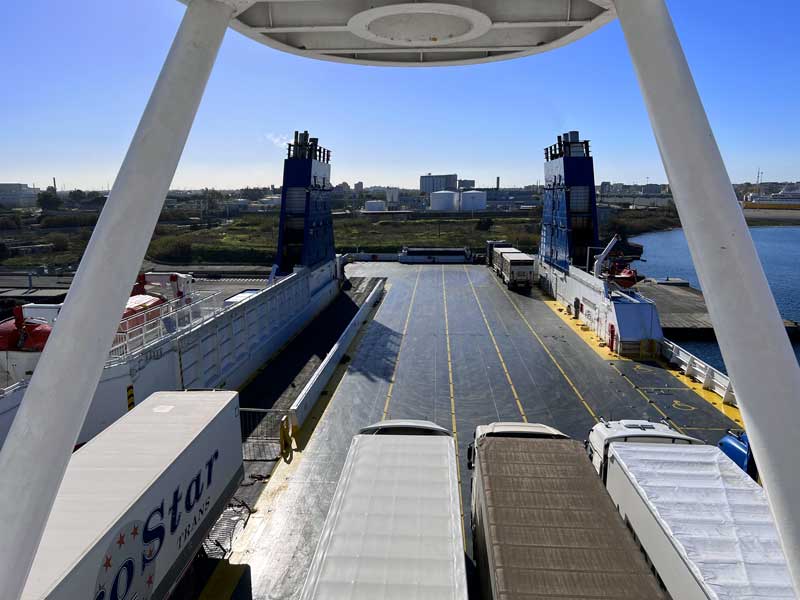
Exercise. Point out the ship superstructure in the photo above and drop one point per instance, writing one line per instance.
(383, 381)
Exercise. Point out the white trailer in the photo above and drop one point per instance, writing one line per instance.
(497, 256)
(516, 269)
(704, 524)
(137, 500)
(394, 528)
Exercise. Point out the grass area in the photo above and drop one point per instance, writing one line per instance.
(253, 239)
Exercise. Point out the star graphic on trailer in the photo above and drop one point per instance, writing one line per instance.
(134, 532)
(150, 581)
(121, 540)
(107, 563)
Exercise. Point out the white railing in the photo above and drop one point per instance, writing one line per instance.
(702, 372)
(149, 326)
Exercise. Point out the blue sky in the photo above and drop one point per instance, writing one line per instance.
(78, 73)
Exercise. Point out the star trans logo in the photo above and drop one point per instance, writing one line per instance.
(128, 565)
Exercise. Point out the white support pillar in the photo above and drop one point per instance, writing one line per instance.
(38, 447)
(749, 329)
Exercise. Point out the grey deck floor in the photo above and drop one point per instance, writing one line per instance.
(510, 354)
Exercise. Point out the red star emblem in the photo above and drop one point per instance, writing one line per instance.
(107, 563)
(149, 552)
(150, 581)
(121, 540)
(134, 532)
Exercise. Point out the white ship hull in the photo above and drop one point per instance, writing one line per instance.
(220, 352)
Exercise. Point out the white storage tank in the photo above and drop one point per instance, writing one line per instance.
(375, 205)
(473, 200)
(444, 200)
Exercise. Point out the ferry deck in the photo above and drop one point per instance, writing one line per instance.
(450, 344)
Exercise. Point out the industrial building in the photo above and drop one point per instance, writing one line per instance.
(392, 195)
(473, 200)
(18, 195)
(466, 184)
(374, 205)
(458, 201)
(428, 184)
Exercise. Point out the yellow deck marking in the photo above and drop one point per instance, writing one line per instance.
(453, 406)
(647, 398)
(497, 349)
(593, 341)
(547, 350)
(400, 347)
(223, 581)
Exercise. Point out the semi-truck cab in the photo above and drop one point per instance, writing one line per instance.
(605, 433)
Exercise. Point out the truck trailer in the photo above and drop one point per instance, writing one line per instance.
(490, 246)
(516, 270)
(703, 523)
(543, 525)
(138, 500)
(497, 256)
(394, 528)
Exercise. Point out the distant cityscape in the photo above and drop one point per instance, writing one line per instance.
(375, 198)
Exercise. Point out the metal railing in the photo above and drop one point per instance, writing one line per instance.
(151, 325)
(261, 432)
(702, 372)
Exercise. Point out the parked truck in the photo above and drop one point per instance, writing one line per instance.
(517, 270)
(138, 500)
(543, 526)
(497, 256)
(704, 525)
(490, 246)
(394, 528)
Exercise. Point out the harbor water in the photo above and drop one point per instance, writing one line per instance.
(666, 254)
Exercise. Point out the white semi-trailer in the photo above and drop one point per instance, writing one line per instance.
(497, 256)
(543, 526)
(703, 523)
(138, 500)
(516, 270)
(394, 528)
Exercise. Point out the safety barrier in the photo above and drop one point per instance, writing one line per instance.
(265, 433)
(151, 325)
(308, 397)
(702, 372)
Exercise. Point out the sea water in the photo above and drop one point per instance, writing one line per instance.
(666, 254)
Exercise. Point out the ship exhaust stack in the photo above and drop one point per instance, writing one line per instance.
(305, 235)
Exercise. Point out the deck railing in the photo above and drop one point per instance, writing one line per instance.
(149, 326)
(691, 366)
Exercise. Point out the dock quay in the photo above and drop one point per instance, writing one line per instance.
(683, 312)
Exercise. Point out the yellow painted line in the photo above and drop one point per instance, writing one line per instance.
(547, 350)
(497, 349)
(453, 406)
(400, 347)
(594, 342)
(712, 398)
(589, 337)
(648, 400)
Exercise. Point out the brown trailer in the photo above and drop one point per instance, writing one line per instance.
(544, 526)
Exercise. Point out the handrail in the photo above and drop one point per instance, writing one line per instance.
(691, 366)
(152, 325)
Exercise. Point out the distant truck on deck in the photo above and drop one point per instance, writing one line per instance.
(543, 525)
(394, 528)
(703, 523)
(517, 270)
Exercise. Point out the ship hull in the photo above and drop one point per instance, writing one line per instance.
(222, 352)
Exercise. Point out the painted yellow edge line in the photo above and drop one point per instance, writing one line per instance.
(497, 349)
(223, 581)
(547, 350)
(453, 406)
(593, 342)
(400, 347)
